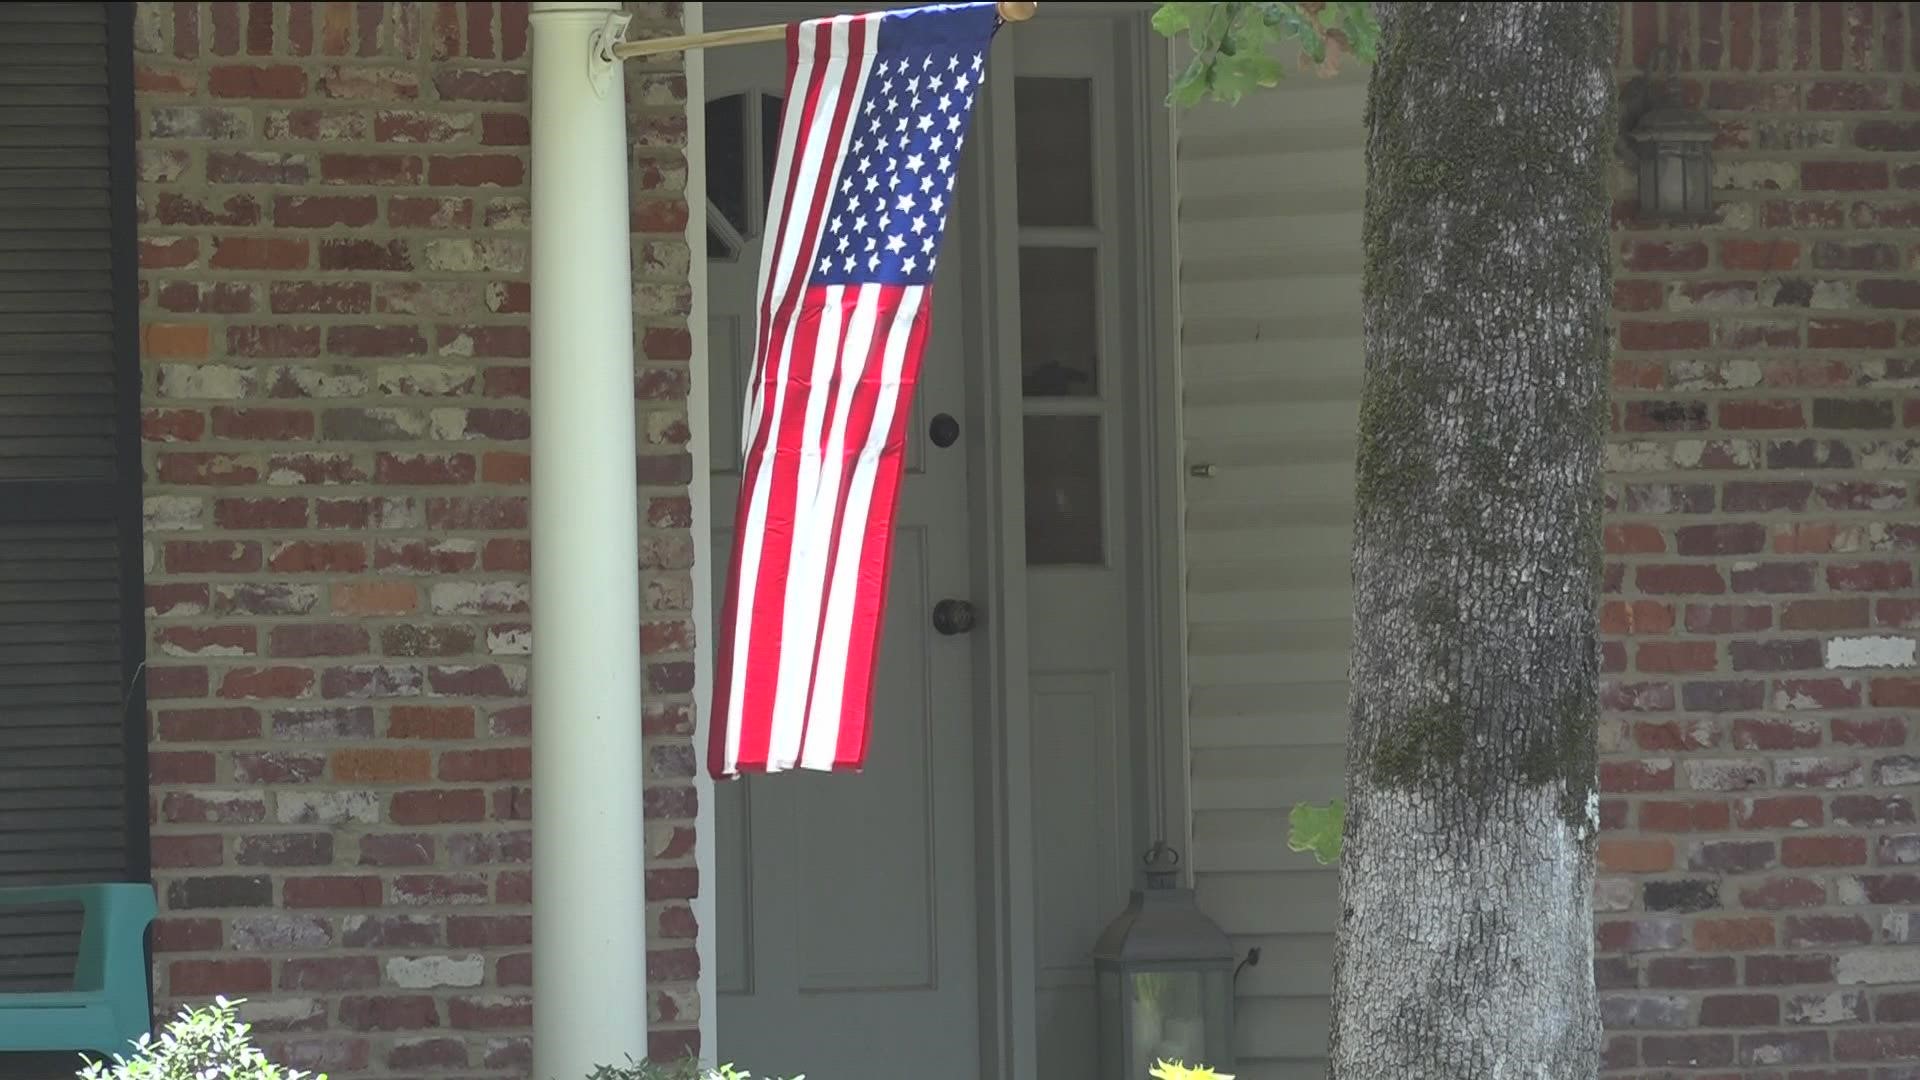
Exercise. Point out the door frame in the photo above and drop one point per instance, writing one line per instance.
(1004, 894)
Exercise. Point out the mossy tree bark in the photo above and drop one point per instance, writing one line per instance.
(1465, 948)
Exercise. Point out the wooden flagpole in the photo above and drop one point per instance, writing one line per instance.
(1012, 11)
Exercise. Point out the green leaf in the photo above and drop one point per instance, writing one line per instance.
(1233, 42)
(1188, 92)
(1190, 86)
(1318, 829)
(1315, 47)
(1253, 69)
(1173, 18)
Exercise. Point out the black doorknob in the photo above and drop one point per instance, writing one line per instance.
(944, 431)
(953, 617)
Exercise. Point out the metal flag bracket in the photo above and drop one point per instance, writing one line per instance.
(602, 59)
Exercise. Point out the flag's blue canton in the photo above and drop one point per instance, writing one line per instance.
(889, 208)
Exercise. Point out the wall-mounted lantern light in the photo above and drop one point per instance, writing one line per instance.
(1674, 148)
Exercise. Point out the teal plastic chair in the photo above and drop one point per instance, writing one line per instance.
(108, 1006)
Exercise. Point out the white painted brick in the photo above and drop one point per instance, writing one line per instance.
(175, 513)
(509, 212)
(1757, 176)
(424, 972)
(1899, 454)
(273, 933)
(505, 256)
(1870, 652)
(1901, 927)
(1614, 894)
(478, 597)
(1839, 1007)
(315, 382)
(1715, 375)
(215, 382)
(327, 807)
(680, 1005)
(283, 1012)
(1878, 967)
(1898, 771)
(1637, 457)
(425, 380)
(448, 425)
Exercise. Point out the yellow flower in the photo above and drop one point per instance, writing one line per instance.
(1174, 1070)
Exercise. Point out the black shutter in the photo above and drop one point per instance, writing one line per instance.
(72, 730)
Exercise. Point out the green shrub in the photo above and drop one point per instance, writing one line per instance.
(200, 1044)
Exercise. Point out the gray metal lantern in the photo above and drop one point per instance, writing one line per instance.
(1165, 978)
(1675, 150)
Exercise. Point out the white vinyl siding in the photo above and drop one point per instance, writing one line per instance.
(1270, 195)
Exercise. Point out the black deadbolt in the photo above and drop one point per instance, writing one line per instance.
(944, 431)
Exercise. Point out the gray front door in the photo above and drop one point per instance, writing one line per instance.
(846, 923)
(1069, 234)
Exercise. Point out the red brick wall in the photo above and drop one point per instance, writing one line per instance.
(334, 287)
(1759, 879)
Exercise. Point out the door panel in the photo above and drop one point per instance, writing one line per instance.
(845, 903)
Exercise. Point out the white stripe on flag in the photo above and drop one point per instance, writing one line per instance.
(823, 726)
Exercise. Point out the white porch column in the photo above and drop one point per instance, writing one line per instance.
(589, 913)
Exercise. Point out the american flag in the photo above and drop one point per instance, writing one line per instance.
(877, 109)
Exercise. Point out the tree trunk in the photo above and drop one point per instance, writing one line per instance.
(1465, 949)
